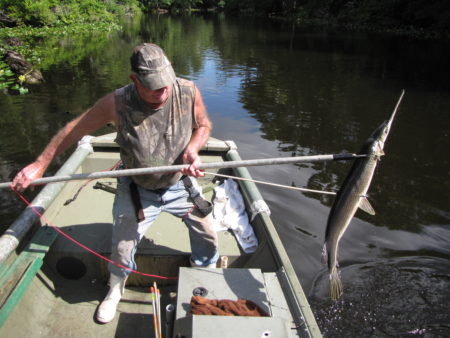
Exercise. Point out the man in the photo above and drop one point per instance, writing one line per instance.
(160, 120)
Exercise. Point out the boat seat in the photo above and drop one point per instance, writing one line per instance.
(251, 284)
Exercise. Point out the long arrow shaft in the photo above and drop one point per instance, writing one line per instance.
(203, 166)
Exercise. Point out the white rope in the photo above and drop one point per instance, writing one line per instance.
(272, 184)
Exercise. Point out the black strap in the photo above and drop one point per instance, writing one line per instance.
(204, 206)
(136, 202)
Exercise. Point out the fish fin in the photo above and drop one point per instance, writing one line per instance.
(324, 254)
(364, 204)
(336, 288)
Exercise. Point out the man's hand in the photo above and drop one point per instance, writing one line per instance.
(194, 160)
(28, 174)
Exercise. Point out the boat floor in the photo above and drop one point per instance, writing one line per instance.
(67, 309)
(88, 219)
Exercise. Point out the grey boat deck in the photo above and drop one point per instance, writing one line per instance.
(62, 300)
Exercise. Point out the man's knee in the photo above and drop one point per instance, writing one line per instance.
(123, 251)
(203, 227)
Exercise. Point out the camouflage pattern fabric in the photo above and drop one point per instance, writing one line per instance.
(155, 137)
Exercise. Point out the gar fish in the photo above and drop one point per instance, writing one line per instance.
(351, 196)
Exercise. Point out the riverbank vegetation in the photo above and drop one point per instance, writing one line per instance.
(32, 33)
(38, 13)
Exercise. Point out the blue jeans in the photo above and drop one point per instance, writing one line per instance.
(127, 231)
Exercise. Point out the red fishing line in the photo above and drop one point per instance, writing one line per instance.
(82, 245)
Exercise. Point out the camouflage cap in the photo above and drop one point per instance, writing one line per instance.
(150, 63)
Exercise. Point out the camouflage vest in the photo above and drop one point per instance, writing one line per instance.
(154, 137)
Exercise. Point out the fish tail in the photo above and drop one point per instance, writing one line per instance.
(336, 288)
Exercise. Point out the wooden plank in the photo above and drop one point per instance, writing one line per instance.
(16, 278)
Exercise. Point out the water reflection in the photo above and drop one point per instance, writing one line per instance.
(327, 92)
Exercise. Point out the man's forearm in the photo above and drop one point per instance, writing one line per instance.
(60, 142)
(199, 139)
(95, 117)
(102, 112)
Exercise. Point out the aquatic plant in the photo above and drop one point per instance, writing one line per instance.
(8, 80)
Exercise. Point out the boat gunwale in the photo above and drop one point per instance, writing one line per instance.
(286, 271)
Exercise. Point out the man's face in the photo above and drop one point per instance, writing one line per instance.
(154, 97)
(158, 96)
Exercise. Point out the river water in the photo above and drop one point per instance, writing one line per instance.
(279, 90)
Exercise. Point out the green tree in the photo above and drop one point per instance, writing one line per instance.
(53, 12)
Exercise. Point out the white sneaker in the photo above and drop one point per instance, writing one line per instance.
(107, 309)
